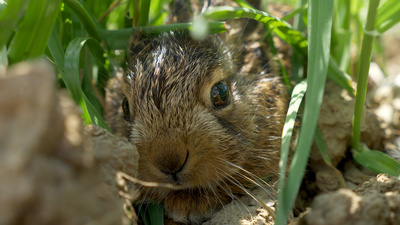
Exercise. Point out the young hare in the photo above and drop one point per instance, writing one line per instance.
(205, 115)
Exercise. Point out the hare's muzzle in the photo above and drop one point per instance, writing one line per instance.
(172, 167)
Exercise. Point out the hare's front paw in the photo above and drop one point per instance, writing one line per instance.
(193, 207)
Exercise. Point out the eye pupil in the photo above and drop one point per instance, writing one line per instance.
(125, 109)
(220, 94)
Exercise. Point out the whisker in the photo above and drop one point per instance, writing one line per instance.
(233, 197)
(254, 178)
(228, 191)
(268, 63)
(142, 204)
(239, 37)
(261, 202)
(238, 184)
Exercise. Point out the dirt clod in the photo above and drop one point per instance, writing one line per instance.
(376, 201)
(51, 171)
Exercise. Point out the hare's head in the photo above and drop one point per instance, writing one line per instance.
(196, 122)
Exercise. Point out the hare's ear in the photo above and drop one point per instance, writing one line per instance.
(139, 40)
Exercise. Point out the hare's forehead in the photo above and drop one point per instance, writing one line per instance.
(173, 69)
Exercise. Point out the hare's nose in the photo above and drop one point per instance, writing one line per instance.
(173, 166)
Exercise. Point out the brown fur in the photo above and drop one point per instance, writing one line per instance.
(176, 128)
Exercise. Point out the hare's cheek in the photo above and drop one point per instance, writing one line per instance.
(205, 171)
(147, 170)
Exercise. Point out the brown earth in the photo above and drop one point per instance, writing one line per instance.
(52, 169)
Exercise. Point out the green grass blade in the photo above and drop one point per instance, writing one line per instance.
(30, 40)
(144, 8)
(95, 117)
(88, 82)
(323, 150)
(119, 39)
(56, 49)
(298, 60)
(343, 47)
(373, 160)
(157, 13)
(319, 30)
(377, 161)
(295, 12)
(72, 79)
(159, 20)
(151, 213)
(342, 34)
(144, 216)
(321, 145)
(77, 28)
(156, 214)
(339, 77)
(295, 101)
(10, 17)
(388, 15)
(363, 70)
(73, 86)
(85, 18)
(280, 28)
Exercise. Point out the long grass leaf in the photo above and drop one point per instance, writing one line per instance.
(342, 34)
(321, 145)
(295, 101)
(30, 40)
(298, 60)
(298, 11)
(144, 7)
(363, 70)
(72, 80)
(157, 14)
(377, 162)
(10, 17)
(339, 77)
(85, 18)
(95, 117)
(319, 29)
(388, 15)
(279, 27)
(323, 150)
(56, 49)
(119, 39)
(156, 214)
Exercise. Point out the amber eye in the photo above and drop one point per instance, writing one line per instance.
(125, 109)
(220, 96)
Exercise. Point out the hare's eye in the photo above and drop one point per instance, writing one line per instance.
(220, 95)
(125, 109)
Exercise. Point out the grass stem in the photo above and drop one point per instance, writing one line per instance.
(362, 76)
(85, 18)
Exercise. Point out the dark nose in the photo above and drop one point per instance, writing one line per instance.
(173, 165)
